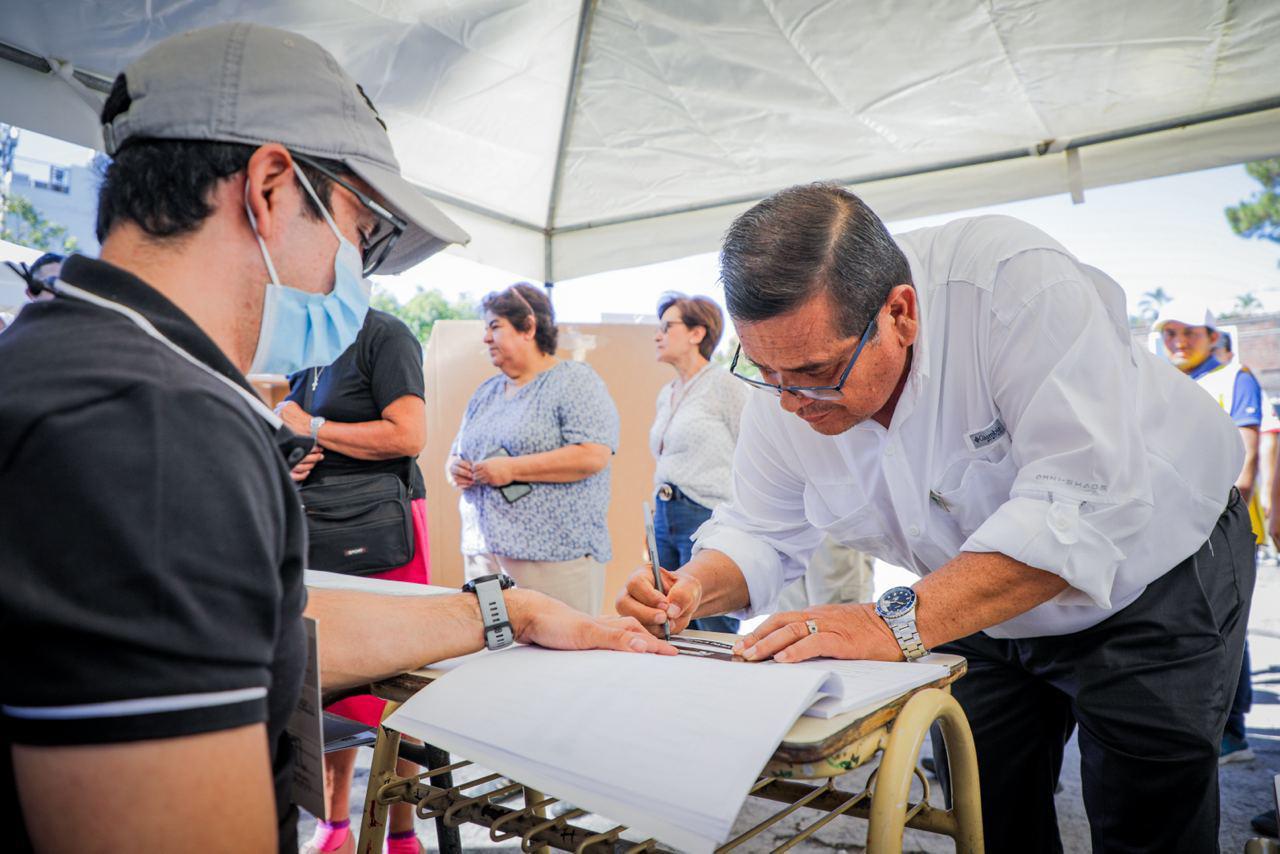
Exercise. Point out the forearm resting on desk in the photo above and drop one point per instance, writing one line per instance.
(976, 590)
(969, 593)
(365, 637)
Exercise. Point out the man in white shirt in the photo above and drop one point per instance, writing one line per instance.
(967, 402)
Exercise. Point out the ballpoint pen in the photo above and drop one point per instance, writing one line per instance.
(651, 538)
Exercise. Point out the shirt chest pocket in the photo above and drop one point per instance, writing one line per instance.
(843, 510)
(974, 485)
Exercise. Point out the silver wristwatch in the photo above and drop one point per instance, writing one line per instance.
(493, 609)
(316, 423)
(897, 607)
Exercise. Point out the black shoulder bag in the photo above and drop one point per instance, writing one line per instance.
(359, 524)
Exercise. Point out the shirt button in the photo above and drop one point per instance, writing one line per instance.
(914, 531)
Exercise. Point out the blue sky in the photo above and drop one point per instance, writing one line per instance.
(1166, 232)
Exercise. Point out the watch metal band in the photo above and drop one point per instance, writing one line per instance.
(908, 638)
(493, 611)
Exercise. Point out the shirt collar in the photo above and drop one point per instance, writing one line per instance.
(1209, 365)
(109, 282)
(924, 290)
(921, 349)
(120, 286)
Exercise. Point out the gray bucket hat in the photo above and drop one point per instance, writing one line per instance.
(253, 84)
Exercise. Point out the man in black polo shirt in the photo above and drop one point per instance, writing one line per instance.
(151, 541)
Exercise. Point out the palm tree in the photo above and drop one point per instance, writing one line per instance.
(1247, 303)
(1151, 301)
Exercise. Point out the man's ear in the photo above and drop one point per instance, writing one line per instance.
(904, 311)
(268, 173)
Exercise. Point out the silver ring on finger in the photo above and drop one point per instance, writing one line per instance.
(812, 625)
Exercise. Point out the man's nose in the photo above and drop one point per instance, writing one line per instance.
(792, 402)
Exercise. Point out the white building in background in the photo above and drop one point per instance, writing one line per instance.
(64, 195)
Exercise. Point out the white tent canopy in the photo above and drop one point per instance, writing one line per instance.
(575, 137)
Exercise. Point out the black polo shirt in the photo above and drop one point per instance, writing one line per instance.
(151, 540)
(382, 366)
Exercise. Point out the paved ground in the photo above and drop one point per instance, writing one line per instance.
(1246, 787)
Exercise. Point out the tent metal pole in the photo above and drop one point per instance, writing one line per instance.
(1041, 149)
(585, 16)
(38, 63)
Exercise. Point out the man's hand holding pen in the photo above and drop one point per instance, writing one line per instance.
(674, 606)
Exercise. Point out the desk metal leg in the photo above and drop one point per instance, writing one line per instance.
(533, 796)
(897, 766)
(373, 824)
(448, 838)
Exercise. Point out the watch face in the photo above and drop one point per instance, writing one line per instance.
(896, 602)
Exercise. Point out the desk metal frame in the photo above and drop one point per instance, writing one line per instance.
(898, 728)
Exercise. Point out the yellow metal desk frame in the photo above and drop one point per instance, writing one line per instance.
(814, 749)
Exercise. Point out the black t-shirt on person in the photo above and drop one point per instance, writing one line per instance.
(382, 366)
(151, 539)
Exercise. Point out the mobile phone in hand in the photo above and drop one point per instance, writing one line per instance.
(515, 490)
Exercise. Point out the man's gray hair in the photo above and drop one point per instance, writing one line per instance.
(804, 240)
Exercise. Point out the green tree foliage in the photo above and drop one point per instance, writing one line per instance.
(1259, 216)
(21, 223)
(424, 308)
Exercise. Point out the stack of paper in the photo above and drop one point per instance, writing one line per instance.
(866, 683)
(667, 745)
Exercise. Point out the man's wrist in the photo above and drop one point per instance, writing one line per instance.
(885, 646)
(520, 610)
(690, 577)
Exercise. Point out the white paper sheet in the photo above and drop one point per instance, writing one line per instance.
(867, 683)
(667, 745)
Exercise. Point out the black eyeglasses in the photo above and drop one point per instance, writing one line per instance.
(388, 230)
(815, 392)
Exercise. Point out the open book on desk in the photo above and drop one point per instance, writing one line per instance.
(850, 684)
(669, 745)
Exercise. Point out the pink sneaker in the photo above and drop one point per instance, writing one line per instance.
(324, 837)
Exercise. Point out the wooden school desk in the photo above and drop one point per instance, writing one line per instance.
(815, 749)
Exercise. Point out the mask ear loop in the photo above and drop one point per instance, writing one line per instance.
(306, 185)
(253, 223)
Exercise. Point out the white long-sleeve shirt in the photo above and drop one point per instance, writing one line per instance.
(693, 445)
(1030, 425)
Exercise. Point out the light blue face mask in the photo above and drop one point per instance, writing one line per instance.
(302, 329)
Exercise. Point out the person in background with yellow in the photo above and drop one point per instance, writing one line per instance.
(1191, 337)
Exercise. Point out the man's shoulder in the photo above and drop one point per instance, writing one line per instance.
(972, 249)
(83, 360)
(68, 354)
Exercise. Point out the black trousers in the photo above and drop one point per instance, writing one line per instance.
(1149, 687)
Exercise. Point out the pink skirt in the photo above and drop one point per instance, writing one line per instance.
(366, 708)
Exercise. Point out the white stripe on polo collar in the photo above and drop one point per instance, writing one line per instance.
(146, 326)
(141, 706)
